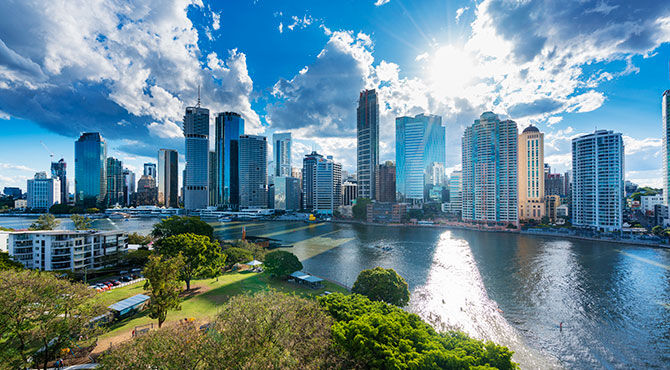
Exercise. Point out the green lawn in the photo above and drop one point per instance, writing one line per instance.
(206, 305)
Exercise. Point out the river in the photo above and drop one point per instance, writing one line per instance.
(613, 299)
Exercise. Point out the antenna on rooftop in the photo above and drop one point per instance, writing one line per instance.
(198, 96)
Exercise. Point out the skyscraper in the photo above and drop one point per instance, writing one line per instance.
(115, 182)
(253, 151)
(196, 132)
(90, 169)
(147, 192)
(367, 129)
(420, 142)
(213, 198)
(490, 163)
(43, 192)
(229, 126)
(385, 182)
(150, 169)
(308, 176)
(531, 174)
(327, 185)
(349, 192)
(281, 143)
(59, 171)
(665, 115)
(129, 185)
(168, 178)
(287, 193)
(598, 181)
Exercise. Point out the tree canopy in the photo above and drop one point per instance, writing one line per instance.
(45, 221)
(201, 256)
(135, 238)
(360, 209)
(380, 284)
(176, 225)
(237, 255)
(7, 263)
(378, 335)
(81, 222)
(281, 263)
(163, 286)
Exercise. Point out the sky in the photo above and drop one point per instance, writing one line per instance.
(128, 69)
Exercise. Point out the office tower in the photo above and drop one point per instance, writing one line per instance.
(420, 141)
(196, 132)
(281, 143)
(489, 152)
(128, 185)
(90, 169)
(43, 192)
(168, 178)
(385, 182)
(531, 174)
(286, 193)
(253, 151)
(552, 203)
(554, 184)
(150, 169)
(59, 171)
(212, 196)
(229, 126)
(147, 192)
(665, 116)
(367, 129)
(327, 185)
(598, 180)
(296, 172)
(455, 192)
(350, 192)
(308, 176)
(12, 192)
(115, 182)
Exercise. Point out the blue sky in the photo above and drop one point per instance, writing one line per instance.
(128, 70)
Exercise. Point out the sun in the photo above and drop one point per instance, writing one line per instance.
(450, 70)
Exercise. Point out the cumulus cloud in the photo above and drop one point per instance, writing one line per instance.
(124, 69)
(381, 2)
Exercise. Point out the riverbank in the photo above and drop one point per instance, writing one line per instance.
(462, 226)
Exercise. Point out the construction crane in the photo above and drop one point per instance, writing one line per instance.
(48, 151)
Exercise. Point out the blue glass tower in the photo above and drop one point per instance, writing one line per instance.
(420, 142)
(90, 175)
(229, 127)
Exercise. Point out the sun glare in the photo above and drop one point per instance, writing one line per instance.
(450, 70)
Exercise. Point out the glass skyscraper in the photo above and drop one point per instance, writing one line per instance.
(281, 143)
(196, 132)
(420, 142)
(90, 172)
(665, 115)
(253, 151)
(115, 182)
(367, 156)
(168, 178)
(229, 126)
(59, 171)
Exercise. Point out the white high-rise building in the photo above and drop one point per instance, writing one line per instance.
(489, 179)
(327, 185)
(598, 181)
(43, 192)
(253, 157)
(282, 154)
(665, 114)
(196, 181)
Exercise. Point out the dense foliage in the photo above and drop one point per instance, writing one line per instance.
(201, 256)
(136, 258)
(281, 263)
(237, 255)
(81, 222)
(257, 252)
(46, 221)
(384, 285)
(163, 286)
(7, 263)
(176, 225)
(135, 238)
(264, 331)
(360, 209)
(378, 335)
(39, 310)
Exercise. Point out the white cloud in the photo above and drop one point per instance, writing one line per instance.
(216, 21)
(460, 11)
(10, 166)
(634, 146)
(381, 2)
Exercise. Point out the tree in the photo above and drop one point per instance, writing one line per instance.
(39, 310)
(60, 209)
(46, 221)
(282, 263)
(237, 255)
(257, 251)
(658, 230)
(384, 285)
(163, 286)
(7, 263)
(81, 222)
(136, 238)
(138, 257)
(176, 225)
(379, 335)
(201, 256)
(360, 209)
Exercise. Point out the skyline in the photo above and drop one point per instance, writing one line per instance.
(453, 59)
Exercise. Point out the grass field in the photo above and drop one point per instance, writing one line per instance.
(207, 296)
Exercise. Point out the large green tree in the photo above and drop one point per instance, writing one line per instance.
(81, 222)
(46, 221)
(176, 225)
(135, 238)
(39, 310)
(237, 255)
(7, 263)
(201, 256)
(163, 286)
(380, 284)
(381, 336)
(281, 263)
(360, 209)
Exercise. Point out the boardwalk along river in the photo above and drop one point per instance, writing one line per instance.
(613, 299)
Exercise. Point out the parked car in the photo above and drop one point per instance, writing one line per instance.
(116, 282)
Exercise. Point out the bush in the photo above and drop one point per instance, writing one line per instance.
(237, 255)
(384, 285)
(281, 263)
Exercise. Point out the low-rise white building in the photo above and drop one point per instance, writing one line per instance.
(20, 204)
(63, 249)
(647, 202)
(43, 192)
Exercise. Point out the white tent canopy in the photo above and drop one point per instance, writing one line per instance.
(254, 263)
